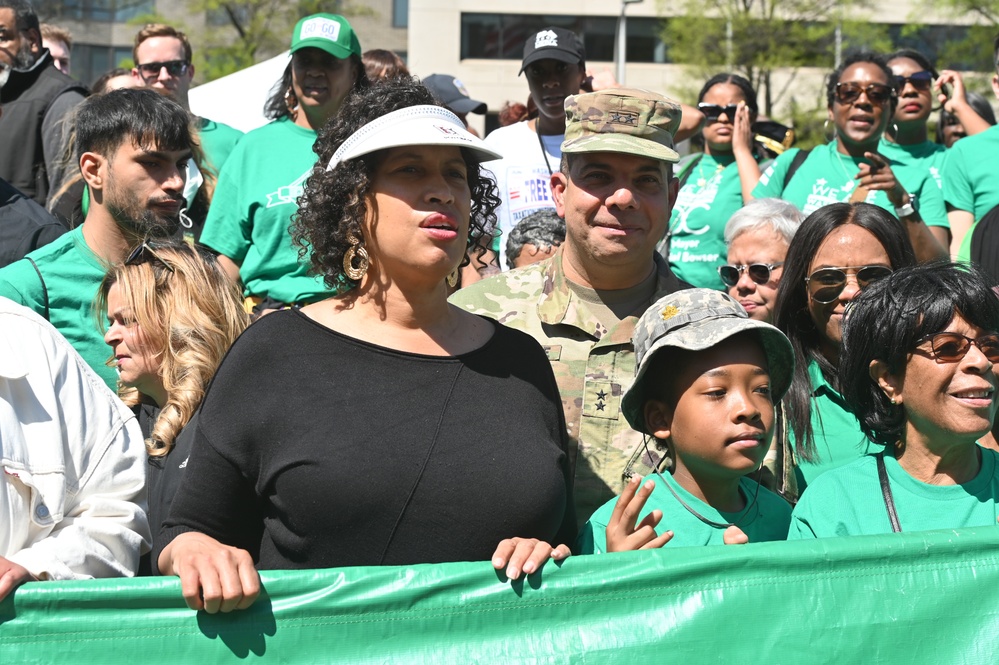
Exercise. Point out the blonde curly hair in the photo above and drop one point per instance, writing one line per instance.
(188, 308)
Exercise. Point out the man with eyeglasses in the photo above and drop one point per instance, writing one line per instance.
(614, 187)
(36, 98)
(132, 147)
(162, 56)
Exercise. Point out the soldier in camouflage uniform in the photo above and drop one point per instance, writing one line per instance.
(615, 190)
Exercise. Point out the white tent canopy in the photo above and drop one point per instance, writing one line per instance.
(238, 99)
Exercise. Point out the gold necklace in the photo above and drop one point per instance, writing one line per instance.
(701, 181)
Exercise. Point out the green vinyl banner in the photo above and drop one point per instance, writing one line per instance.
(904, 598)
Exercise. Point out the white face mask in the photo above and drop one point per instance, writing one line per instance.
(191, 186)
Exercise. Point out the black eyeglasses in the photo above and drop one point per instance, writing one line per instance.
(142, 252)
(951, 347)
(714, 111)
(825, 284)
(758, 272)
(877, 93)
(174, 68)
(919, 80)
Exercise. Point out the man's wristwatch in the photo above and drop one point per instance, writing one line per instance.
(909, 208)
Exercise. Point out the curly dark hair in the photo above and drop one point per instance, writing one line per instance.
(886, 322)
(335, 202)
(876, 59)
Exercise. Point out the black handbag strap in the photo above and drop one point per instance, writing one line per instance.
(886, 493)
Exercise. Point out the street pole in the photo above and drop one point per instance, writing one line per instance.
(621, 41)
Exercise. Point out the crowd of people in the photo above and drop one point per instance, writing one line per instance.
(302, 347)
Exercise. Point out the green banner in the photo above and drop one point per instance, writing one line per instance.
(910, 598)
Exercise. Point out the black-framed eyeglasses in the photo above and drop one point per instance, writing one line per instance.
(877, 93)
(143, 252)
(951, 347)
(714, 111)
(918, 80)
(758, 272)
(826, 284)
(175, 68)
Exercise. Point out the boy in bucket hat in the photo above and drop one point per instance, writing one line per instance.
(708, 378)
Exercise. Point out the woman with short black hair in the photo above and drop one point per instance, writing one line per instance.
(918, 366)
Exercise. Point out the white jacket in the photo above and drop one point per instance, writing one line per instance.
(72, 493)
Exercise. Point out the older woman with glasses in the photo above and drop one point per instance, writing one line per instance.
(918, 366)
(838, 251)
(757, 237)
(861, 99)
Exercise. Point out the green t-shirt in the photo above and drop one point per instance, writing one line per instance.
(827, 176)
(836, 431)
(711, 194)
(849, 502)
(969, 179)
(252, 208)
(217, 140)
(73, 275)
(917, 167)
(765, 520)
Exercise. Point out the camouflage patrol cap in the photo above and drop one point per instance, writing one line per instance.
(628, 120)
(698, 319)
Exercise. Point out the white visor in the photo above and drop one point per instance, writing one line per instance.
(413, 125)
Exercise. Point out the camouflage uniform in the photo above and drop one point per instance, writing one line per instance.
(593, 366)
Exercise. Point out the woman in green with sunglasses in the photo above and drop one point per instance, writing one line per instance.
(919, 368)
(837, 252)
(861, 98)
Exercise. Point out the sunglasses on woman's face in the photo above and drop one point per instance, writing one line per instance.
(758, 272)
(918, 80)
(714, 111)
(825, 284)
(951, 347)
(877, 93)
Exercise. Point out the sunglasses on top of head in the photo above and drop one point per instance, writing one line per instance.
(877, 93)
(174, 68)
(758, 272)
(826, 284)
(714, 111)
(918, 80)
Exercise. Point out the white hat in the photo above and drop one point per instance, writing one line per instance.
(413, 125)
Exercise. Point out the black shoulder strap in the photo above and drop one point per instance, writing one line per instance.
(796, 162)
(45, 291)
(688, 169)
(886, 493)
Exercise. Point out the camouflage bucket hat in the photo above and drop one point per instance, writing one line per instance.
(628, 120)
(694, 320)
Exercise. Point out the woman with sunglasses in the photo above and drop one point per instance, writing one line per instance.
(919, 367)
(838, 251)
(260, 183)
(172, 314)
(393, 428)
(716, 183)
(757, 237)
(861, 102)
(906, 142)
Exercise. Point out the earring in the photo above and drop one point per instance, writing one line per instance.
(893, 401)
(291, 103)
(452, 278)
(825, 130)
(356, 251)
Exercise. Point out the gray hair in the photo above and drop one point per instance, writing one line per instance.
(780, 216)
(542, 228)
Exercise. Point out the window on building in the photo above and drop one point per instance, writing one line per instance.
(400, 13)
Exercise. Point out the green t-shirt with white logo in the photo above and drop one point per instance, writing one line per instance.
(711, 194)
(828, 176)
(252, 209)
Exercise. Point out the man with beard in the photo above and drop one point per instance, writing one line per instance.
(132, 147)
(36, 98)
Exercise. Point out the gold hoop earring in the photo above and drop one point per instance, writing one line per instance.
(825, 131)
(452, 278)
(356, 251)
(291, 103)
